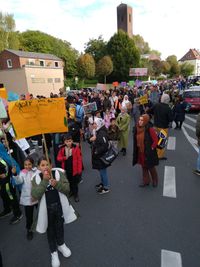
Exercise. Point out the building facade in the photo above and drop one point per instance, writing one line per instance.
(192, 57)
(124, 19)
(27, 72)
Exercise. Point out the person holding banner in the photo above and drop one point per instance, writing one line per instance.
(50, 186)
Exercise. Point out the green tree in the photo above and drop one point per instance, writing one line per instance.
(141, 45)
(36, 41)
(86, 66)
(186, 69)
(96, 47)
(174, 66)
(104, 67)
(124, 55)
(8, 36)
(166, 67)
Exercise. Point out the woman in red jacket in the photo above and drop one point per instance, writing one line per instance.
(71, 161)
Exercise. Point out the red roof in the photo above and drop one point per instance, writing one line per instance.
(192, 54)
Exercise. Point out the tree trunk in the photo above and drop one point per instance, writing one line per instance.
(105, 79)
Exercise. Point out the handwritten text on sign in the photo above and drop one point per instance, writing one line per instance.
(38, 116)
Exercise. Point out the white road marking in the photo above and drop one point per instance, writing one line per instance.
(191, 119)
(169, 187)
(171, 144)
(190, 139)
(170, 259)
(189, 127)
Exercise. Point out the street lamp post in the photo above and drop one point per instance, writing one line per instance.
(76, 81)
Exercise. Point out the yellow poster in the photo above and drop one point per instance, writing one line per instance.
(38, 116)
(143, 100)
(3, 93)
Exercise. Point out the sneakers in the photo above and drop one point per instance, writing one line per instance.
(97, 186)
(29, 235)
(196, 172)
(55, 262)
(16, 219)
(65, 250)
(5, 214)
(103, 190)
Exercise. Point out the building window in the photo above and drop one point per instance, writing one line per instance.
(57, 80)
(42, 63)
(38, 80)
(56, 64)
(9, 63)
(50, 80)
(129, 17)
(31, 61)
(122, 18)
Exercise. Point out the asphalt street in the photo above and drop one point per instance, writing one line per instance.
(130, 226)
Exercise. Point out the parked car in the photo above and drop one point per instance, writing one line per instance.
(192, 97)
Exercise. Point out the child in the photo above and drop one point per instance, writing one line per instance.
(113, 133)
(50, 186)
(26, 200)
(8, 194)
(71, 160)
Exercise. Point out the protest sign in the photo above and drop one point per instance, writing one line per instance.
(138, 71)
(3, 93)
(89, 108)
(101, 86)
(123, 84)
(3, 113)
(143, 100)
(131, 83)
(38, 116)
(115, 84)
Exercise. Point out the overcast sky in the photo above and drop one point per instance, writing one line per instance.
(171, 27)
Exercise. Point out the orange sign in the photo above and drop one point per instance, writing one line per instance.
(115, 84)
(38, 116)
(3, 93)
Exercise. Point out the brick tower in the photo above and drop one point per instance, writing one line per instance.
(124, 19)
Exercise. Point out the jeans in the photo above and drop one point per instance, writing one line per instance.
(55, 230)
(198, 161)
(104, 177)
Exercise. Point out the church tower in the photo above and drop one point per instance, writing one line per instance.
(124, 19)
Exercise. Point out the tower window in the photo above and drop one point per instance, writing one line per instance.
(129, 17)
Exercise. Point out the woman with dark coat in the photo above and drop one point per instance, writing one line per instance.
(99, 147)
(144, 153)
(179, 110)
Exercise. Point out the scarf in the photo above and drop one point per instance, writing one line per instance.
(140, 138)
(140, 133)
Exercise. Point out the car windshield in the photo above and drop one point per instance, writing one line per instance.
(192, 94)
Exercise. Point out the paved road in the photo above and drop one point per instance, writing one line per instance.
(130, 226)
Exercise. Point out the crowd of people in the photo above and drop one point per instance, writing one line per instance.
(45, 187)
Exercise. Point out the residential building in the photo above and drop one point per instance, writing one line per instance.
(192, 57)
(29, 72)
(124, 19)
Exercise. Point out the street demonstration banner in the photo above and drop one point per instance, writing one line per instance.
(3, 93)
(89, 108)
(143, 100)
(138, 72)
(38, 116)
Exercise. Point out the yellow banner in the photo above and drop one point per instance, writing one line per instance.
(3, 93)
(143, 100)
(38, 116)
